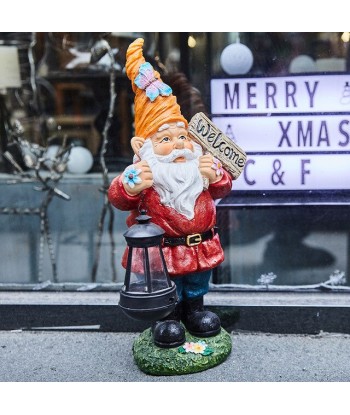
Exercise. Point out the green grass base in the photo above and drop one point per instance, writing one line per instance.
(154, 360)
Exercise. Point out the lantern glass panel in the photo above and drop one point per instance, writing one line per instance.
(158, 275)
(148, 273)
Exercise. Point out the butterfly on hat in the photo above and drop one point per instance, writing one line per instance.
(152, 85)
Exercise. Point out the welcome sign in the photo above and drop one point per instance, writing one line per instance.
(295, 129)
(202, 130)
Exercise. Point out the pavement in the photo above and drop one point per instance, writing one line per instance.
(92, 356)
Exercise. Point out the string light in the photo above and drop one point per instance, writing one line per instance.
(345, 37)
(191, 42)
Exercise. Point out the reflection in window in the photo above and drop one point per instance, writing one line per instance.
(300, 245)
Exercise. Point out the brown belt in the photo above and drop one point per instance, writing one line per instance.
(190, 240)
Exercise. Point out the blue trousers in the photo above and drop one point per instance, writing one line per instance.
(192, 286)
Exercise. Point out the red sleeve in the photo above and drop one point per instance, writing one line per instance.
(119, 198)
(221, 188)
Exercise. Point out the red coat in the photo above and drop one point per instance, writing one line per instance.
(181, 259)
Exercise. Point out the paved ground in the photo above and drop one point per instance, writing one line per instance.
(66, 356)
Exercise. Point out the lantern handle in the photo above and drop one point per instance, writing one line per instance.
(141, 207)
(143, 217)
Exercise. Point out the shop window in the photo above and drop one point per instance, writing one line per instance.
(287, 213)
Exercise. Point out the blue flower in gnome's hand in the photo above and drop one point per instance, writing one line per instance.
(131, 176)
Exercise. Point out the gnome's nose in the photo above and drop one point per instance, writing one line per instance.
(179, 144)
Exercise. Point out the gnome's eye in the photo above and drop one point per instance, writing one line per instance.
(165, 140)
(182, 137)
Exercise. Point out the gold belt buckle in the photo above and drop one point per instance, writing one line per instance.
(193, 240)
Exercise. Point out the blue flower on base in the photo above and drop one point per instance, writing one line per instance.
(131, 176)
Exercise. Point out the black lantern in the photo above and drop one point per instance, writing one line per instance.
(148, 293)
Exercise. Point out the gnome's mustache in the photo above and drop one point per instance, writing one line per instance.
(185, 152)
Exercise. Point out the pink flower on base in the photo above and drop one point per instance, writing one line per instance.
(199, 347)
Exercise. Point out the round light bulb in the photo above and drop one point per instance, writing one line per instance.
(302, 64)
(80, 160)
(50, 154)
(236, 59)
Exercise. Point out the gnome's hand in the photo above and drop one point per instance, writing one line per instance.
(137, 177)
(136, 144)
(209, 168)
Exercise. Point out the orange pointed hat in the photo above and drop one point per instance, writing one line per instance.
(155, 104)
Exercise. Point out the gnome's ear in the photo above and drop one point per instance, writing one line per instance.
(136, 144)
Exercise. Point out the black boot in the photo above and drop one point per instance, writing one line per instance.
(197, 321)
(169, 332)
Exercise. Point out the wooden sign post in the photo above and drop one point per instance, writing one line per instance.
(204, 132)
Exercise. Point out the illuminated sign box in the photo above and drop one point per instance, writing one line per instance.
(295, 129)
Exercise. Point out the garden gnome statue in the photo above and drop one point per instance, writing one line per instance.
(176, 184)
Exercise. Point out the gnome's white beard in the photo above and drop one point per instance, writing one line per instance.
(178, 184)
